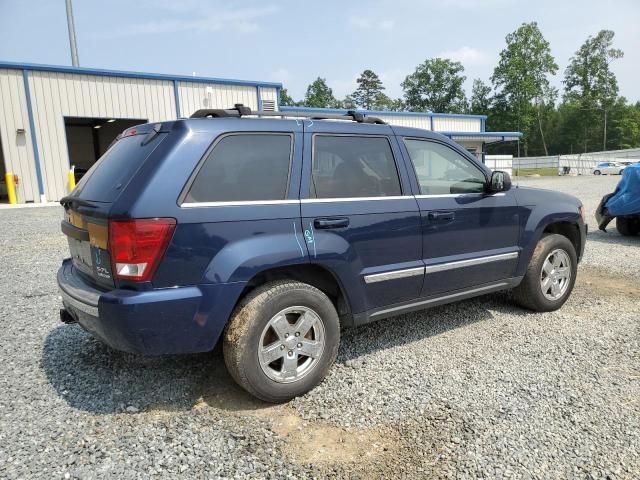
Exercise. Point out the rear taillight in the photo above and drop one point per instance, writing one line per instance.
(137, 246)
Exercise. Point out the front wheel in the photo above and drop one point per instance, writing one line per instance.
(550, 276)
(281, 341)
(597, 172)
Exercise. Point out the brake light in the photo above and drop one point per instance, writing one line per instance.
(137, 246)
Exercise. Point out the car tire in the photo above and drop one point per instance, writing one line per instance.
(620, 172)
(263, 319)
(537, 291)
(597, 172)
(627, 227)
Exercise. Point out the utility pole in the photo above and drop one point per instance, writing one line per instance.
(72, 35)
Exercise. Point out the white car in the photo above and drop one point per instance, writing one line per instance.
(608, 168)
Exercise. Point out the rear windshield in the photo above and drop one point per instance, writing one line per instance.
(111, 173)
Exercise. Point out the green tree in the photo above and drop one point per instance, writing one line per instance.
(590, 85)
(285, 99)
(319, 95)
(521, 78)
(396, 105)
(370, 92)
(480, 102)
(348, 102)
(436, 85)
(625, 125)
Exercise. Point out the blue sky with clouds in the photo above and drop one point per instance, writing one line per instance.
(293, 42)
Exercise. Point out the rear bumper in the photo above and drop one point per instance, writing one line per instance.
(154, 322)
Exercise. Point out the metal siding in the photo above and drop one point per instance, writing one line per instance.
(456, 124)
(194, 96)
(413, 121)
(270, 94)
(18, 151)
(56, 95)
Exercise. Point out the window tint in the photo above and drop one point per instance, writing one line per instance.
(353, 167)
(442, 170)
(243, 168)
(105, 180)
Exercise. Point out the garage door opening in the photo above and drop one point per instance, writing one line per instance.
(89, 138)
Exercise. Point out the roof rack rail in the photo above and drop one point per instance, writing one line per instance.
(239, 110)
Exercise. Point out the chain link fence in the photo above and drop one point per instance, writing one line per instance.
(573, 164)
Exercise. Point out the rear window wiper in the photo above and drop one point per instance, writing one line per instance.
(152, 134)
(69, 200)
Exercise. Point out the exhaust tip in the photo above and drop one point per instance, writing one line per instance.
(66, 317)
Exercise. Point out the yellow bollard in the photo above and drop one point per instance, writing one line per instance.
(72, 179)
(10, 180)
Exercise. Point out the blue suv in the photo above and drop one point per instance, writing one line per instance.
(270, 234)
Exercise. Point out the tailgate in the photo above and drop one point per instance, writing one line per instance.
(88, 240)
(87, 208)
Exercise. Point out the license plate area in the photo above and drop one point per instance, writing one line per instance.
(81, 255)
(91, 260)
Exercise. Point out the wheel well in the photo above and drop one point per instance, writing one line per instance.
(314, 275)
(566, 229)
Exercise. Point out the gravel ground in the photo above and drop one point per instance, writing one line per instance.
(606, 250)
(479, 389)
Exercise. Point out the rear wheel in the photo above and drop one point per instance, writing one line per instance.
(550, 276)
(628, 226)
(597, 172)
(620, 172)
(281, 340)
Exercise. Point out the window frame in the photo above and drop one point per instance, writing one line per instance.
(356, 135)
(464, 155)
(194, 174)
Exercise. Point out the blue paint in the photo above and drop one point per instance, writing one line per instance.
(176, 94)
(259, 97)
(216, 251)
(120, 73)
(295, 234)
(32, 128)
(483, 134)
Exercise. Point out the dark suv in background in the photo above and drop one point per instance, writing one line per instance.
(271, 234)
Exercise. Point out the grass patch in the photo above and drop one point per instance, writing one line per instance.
(543, 172)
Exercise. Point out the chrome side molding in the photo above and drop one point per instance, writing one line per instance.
(393, 275)
(441, 267)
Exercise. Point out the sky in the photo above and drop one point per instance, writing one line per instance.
(294, 42)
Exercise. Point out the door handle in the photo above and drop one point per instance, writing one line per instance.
(323, 223)
(441, 216)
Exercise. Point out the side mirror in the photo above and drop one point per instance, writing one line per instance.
(500, 182)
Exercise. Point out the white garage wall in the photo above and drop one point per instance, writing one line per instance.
(195, 95)
(414, 121)
(55, 95)
(456, 124)
(17, 149)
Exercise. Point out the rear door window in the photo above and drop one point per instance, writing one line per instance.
(244, 167)
(353, 166)
(104, 181)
